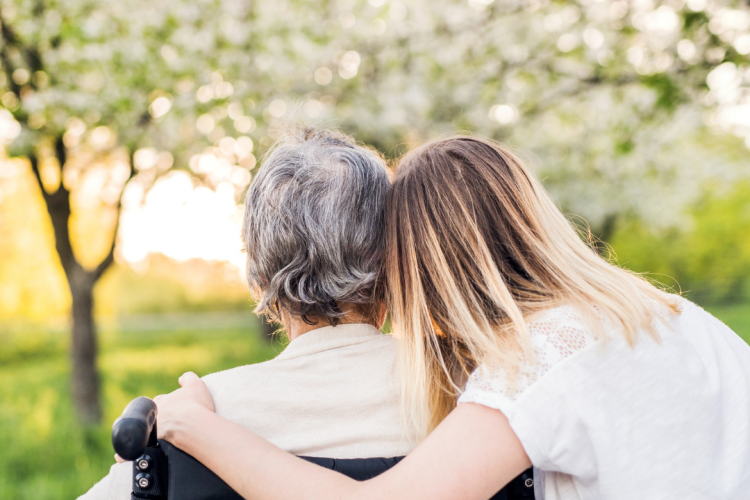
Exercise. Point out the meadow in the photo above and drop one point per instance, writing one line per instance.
(46, 455)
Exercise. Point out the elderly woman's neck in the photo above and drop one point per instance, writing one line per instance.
(296, 326)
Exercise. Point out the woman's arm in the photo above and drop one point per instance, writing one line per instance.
(470, 456)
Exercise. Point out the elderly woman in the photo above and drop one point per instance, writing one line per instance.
(313, 233)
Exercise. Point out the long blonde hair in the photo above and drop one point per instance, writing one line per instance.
(474, 246)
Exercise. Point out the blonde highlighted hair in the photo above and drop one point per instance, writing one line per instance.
(474, 246)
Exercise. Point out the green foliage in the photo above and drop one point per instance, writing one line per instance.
(736, 317)
(624, 147)
(669, 94)
(709, 261)
(45, 454)
(548, 77)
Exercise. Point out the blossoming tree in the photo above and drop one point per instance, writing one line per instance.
(612, 101)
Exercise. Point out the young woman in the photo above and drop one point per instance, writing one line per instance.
(610, 387)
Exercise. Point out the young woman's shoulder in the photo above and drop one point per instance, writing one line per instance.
(557, 334)
(554, 335)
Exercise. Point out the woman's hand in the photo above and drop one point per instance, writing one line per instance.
(177, 409)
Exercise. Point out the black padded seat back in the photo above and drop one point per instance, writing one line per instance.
(360, 469)
(175, 475)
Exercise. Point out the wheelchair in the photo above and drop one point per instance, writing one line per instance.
(162, 471)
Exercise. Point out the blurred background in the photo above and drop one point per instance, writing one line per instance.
(132, 128)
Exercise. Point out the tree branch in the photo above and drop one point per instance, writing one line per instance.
(58, 208)
(9, 40)
(37, 174)
(29, 53)
(110, 257)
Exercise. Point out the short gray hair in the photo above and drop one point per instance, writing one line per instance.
(313, 228)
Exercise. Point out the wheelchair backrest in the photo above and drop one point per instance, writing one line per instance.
(162, 471)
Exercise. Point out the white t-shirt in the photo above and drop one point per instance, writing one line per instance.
(602, 420)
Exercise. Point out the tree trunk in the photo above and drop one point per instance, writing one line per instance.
(85, 377)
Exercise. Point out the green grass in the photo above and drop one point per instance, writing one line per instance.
(44, 454)
(735, 317)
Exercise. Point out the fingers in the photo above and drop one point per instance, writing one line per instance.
(158, 400)
(187, 378)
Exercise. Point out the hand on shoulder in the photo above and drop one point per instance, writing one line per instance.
(179, 408)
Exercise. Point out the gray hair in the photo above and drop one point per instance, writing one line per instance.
(313, 228)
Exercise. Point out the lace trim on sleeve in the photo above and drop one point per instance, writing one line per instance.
(559, 334)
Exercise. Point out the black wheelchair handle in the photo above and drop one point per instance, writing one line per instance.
(135, 429)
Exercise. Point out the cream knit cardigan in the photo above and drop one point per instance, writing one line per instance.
(332, 392)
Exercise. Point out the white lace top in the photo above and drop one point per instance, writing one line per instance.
(555, 336)
(602, 420)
